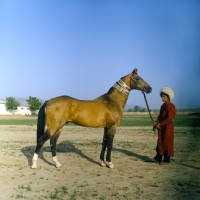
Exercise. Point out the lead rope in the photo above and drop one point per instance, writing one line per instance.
(154, 129)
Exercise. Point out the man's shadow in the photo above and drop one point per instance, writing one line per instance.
(63, 147)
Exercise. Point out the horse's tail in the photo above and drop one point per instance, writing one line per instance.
(41, 121)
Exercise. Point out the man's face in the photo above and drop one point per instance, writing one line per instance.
(165, 98)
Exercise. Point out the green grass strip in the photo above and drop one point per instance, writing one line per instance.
(127, 120)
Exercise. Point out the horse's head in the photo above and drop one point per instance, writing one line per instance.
(138, 83)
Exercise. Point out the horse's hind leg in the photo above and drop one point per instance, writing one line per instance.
(40, 143)
(53, 142)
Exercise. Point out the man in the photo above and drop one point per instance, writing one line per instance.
(165, 126)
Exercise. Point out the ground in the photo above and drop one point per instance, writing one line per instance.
(81, 176)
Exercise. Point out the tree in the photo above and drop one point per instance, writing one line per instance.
(34, 104)
(11, 104)
(136, 109)
(143, 110)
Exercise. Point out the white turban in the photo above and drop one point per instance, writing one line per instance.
(168, 91)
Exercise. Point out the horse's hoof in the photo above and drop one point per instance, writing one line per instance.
(102, 163)
(110, 165)
(58, 166)
(33, 166)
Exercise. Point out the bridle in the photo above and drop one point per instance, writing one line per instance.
(137, 84)
(125, 89)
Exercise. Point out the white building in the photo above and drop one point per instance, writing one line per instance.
(3, 110)
(21, 110)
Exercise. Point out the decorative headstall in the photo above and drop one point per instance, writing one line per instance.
(122, 87)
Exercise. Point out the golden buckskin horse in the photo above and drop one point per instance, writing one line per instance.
(105, 111)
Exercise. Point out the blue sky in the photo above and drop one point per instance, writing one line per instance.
(81, 48)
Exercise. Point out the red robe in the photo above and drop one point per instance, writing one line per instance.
(165, 143)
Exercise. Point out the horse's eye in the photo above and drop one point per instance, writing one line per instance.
(139, 79)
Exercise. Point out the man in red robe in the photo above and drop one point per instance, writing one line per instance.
(165, 126)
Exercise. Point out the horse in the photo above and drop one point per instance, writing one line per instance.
(105, 111)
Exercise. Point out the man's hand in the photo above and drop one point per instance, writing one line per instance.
(157, 125)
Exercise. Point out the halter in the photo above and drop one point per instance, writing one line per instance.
(136, 83)
(125, 89)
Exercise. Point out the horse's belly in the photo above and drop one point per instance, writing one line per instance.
(89, 120)
(95, 118)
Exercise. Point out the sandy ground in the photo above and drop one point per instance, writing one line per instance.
(81, 176)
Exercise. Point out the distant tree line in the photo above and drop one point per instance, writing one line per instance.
(137, 109)
(33, 102)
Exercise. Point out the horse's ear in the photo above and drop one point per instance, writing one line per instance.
(134, 71)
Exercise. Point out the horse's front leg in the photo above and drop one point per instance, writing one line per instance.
(104, 145)
(110, 137)
(53, 142)
(107, 143)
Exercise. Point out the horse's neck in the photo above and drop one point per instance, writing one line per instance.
(118, 97)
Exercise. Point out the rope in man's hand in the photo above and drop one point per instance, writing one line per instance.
(155, 124)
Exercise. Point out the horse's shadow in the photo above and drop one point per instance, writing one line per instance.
(63, 147)
(69, 147)
(128, 153)
(132, 154)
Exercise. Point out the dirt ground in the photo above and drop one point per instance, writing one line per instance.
(81, 176)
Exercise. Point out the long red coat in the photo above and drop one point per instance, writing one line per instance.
(165, 143)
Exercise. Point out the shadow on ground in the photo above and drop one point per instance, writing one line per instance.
(63, 147)
(69, 147)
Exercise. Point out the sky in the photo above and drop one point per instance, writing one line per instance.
(80, 48)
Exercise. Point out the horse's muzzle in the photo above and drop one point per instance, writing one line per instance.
(148, 90)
